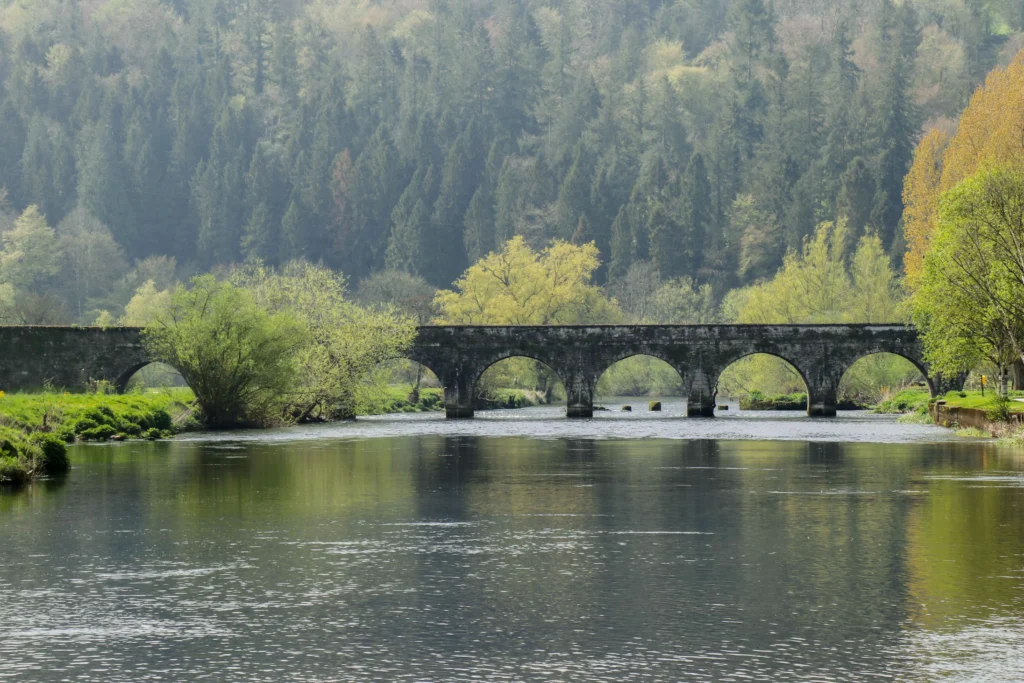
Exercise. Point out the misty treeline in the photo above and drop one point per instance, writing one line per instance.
(708, 137)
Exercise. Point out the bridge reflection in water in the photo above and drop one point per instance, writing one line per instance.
(69, 357)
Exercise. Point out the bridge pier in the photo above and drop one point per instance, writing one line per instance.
(579, 402)
(459, 393)
(700, 400)
(822, 400)
(579, 382)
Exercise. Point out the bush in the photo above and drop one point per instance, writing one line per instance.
(237, 358)
(52, 457)
(84, 425)
(161, 419)
(12, 472)
(1000, 411)
(153, 434)
(100, 433)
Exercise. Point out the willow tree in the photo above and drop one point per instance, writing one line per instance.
(238, 358)
(339, 369)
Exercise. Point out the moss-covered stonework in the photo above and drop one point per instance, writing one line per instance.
(458, 355)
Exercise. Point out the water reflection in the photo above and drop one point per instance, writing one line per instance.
(486, 556)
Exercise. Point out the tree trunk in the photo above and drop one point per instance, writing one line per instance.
(1017, 371)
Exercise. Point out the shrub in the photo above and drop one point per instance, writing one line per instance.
(95, 415)
(153, 434)
(160, 419)
(100, 433)
(1000, 411)
(237, 358)
(12, 472)
(84, 425)
(52, 456)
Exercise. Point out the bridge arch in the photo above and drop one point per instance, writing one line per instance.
(632, 371)
(800, 373)
(122, 381)
(541, 367)
(907, 369)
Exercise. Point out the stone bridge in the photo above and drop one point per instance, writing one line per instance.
(70, 357)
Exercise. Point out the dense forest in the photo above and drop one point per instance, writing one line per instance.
(705, 137)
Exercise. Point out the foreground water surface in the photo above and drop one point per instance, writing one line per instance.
(523, 547)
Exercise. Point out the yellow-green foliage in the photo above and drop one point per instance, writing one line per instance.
(519, 286)
(823, 283)
(340, 366)
(906, 401)
(398, 399)
(972, 433)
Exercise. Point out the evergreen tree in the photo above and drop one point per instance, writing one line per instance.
(406, 246)
(666, 241)
(697, 220)
(479, 221)
(896, 116)
(856, 198)
(574, 195)
(12, 145)
(621, 245)
(446, 256)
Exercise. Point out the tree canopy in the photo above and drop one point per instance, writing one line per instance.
(518, 286)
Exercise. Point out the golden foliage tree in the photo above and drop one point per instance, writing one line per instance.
(991, 130)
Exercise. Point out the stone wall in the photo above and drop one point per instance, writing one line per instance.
(951, 416)
(68, 357)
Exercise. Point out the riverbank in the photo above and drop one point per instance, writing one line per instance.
(969, 412)
(34, 428)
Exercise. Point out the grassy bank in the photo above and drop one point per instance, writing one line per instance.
(34, 428)
(917, 400)
(912, 406)
(400, 399)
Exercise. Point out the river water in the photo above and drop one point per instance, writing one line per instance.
(524, 547)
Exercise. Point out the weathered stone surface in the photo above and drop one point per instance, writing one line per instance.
(458, 355)
(68, 357)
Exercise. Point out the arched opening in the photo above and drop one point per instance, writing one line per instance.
(151, 377)
(409, 387)
(880, 377)
(640, 376)
(518, 382)
(762, 381)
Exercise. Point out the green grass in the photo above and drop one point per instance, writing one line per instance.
(916, 401)
(916, 418)
(68, 415)
(907, 401)
(974, 399)
(972, 433)
(395, 399)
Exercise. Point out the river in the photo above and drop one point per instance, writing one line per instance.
(523, 547)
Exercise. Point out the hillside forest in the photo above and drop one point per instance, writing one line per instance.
(705, 144)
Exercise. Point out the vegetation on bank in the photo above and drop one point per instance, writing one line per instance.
(34, 428)
(399, 399)
(912, 405)
(269, 347)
